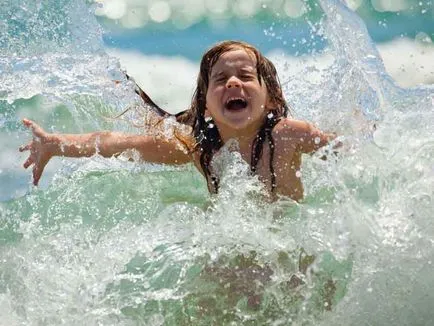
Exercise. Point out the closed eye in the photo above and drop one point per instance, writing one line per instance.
(219, 79)
(248, 77)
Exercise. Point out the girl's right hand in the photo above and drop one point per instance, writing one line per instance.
(41, 149)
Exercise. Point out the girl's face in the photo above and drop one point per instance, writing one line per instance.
(235, 99)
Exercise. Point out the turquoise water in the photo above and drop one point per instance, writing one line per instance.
(113, 242)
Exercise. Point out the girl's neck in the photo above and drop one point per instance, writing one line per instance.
(244, 138)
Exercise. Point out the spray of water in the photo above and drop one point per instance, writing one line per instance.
(120, 243)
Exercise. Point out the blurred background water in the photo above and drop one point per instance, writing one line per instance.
(403, 31)
(108, 241)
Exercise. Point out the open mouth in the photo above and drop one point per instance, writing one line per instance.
(235, 104)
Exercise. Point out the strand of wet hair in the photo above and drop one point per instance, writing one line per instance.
(208, 139)
(258, 143)
(273, 175)
(209, 142)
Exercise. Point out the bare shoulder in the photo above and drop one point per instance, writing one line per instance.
(302, 134)
(290, 126)
(288, 129)
(285, 135)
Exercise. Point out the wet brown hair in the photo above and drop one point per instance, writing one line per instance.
(208, 140)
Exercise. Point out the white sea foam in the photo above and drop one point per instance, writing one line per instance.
(100, 243)
(409, 62)
(171, 80)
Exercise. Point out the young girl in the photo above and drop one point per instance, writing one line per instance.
(238, 96)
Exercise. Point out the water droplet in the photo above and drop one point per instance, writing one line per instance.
(423, 38)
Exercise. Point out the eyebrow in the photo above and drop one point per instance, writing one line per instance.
(217, 74)
(248, 69)
(244, 69)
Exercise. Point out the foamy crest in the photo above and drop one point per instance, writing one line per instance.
(116, 242)
(168, 80)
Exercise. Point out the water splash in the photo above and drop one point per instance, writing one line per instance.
(30, 28)
(115, 242)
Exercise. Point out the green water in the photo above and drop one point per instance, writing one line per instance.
(171, 258)
(113, 242)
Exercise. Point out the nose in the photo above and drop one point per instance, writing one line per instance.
(233, 82)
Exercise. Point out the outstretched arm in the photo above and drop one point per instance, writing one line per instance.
(107, 144)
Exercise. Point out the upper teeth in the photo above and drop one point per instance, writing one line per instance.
(234, 99)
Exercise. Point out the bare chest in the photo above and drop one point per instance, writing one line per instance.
(278, 170)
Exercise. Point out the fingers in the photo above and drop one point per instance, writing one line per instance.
(36, 129)
(28, 162)
(28, 123)
(25, 147)
(39, 164)
(37, 171)
(36, 175)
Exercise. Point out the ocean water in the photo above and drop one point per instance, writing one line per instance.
(114, 242)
